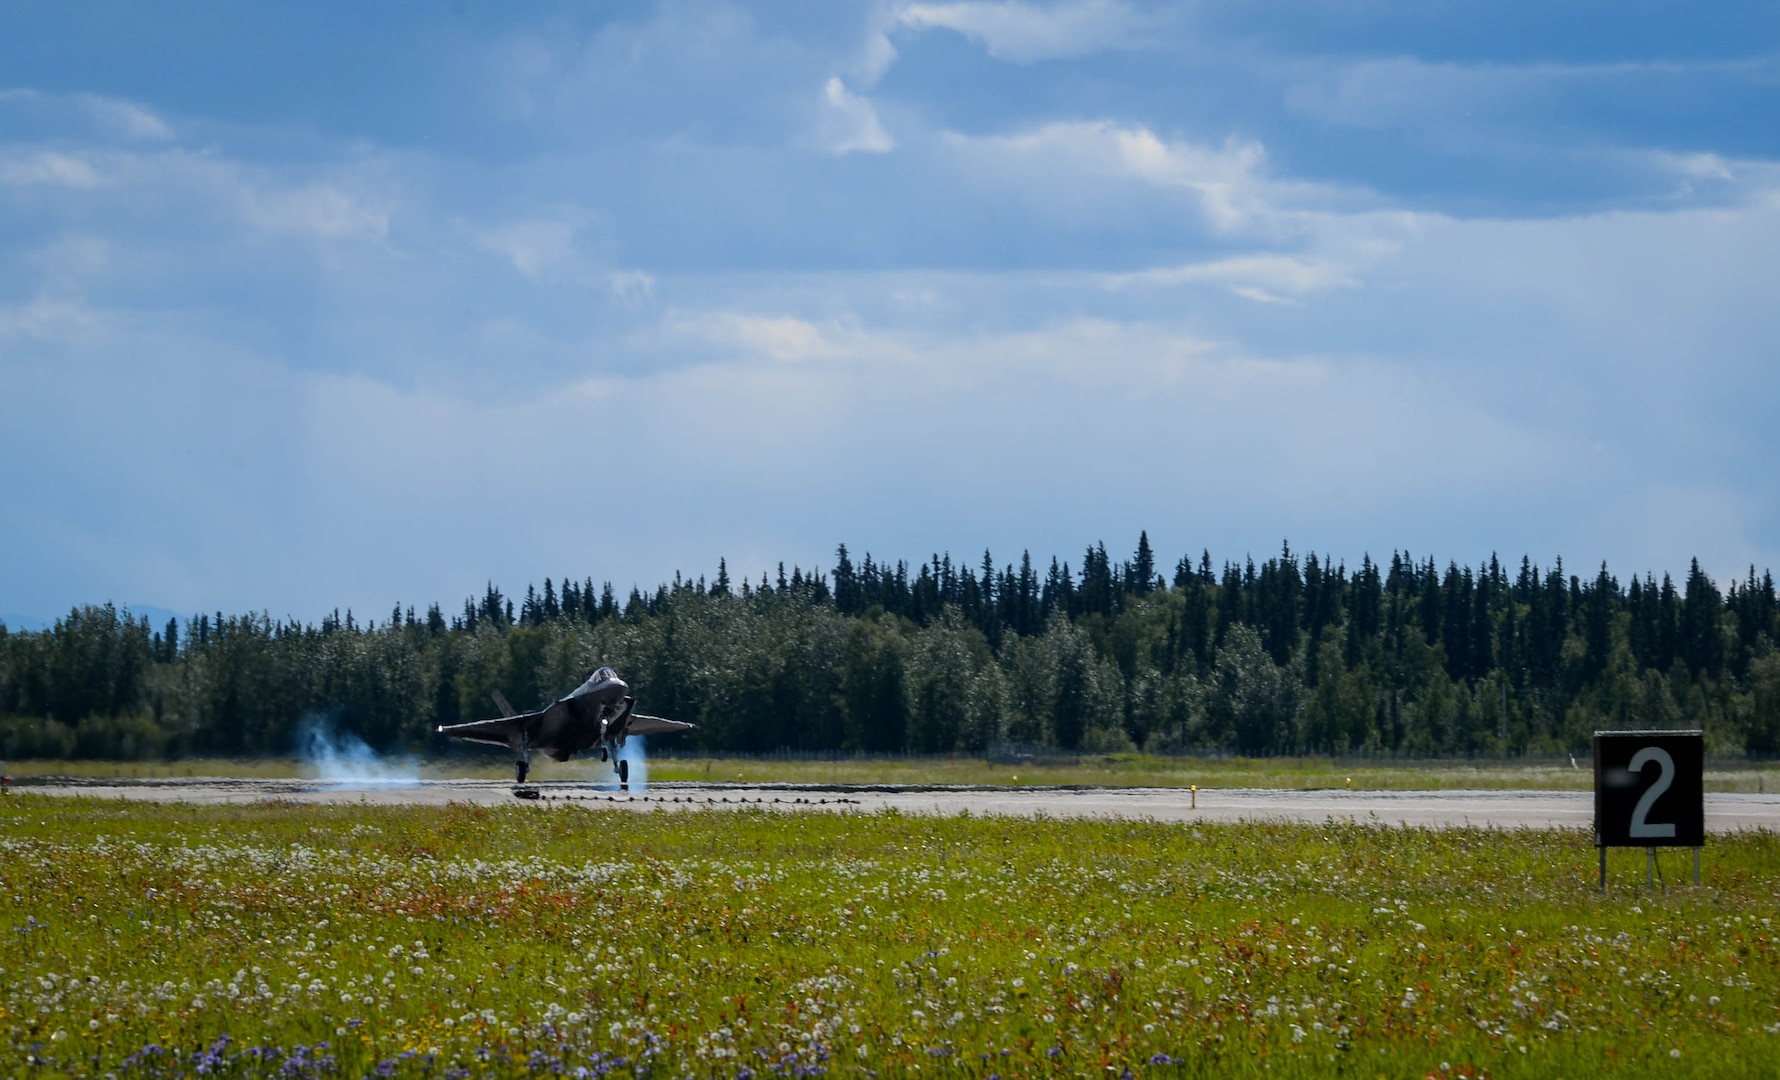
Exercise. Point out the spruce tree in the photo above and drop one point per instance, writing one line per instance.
(1143, 566)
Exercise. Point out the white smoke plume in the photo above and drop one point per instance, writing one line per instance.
(343, 758)
(632, 751)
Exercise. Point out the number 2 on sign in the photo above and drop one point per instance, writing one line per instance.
(1640, 827)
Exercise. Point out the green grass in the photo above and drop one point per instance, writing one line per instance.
(1112, 770)
(1140, 770)
(505, 941)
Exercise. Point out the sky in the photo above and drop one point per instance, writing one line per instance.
(334, 305)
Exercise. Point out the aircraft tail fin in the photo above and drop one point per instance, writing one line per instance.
(501, 703)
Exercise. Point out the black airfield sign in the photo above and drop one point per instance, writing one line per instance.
(1649, 789)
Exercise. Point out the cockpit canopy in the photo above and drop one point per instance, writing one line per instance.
(604, 674)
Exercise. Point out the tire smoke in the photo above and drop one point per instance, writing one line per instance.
(344, 758)
(632, 751)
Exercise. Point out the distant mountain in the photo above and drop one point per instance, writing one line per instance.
(157, 616)
(23, 622)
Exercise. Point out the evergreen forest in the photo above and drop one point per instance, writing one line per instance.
(1289, 656)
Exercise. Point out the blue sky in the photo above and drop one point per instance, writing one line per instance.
(308, 306)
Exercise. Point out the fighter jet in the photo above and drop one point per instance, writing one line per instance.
(597, 715)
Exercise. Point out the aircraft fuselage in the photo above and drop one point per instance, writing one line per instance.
(597, 715)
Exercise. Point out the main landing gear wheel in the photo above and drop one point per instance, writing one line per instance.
(520, 768)
(624, 775)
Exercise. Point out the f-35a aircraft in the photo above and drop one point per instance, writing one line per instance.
(597, 715)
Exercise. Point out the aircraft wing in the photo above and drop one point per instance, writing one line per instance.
(653, 725)
(499, 731)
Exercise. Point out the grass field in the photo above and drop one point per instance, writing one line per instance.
(1115, 770)
(370, 941)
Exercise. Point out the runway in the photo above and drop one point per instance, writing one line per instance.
(1437, 809)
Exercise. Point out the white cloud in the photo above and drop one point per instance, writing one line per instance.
(540, 250)
(1260, 295)
(1258, 274)
(1131, 357)
(1703, 178)
(127, 117)
(315, 209)
(1228, 182)
(111, 116)
(849, 124)
(49, 167)
(874, 57)
(632, 288)
(1203, 425)
(779, 337)
(195, 184)
(1698, 166)
(48, 319)
(1024, 33)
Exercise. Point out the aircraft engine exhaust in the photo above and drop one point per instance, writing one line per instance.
(344, 758)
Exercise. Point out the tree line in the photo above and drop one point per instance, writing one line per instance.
(1291, 655)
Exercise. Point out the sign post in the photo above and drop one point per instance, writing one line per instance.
(1650, 793)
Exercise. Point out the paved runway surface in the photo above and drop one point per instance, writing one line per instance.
(1489, 809)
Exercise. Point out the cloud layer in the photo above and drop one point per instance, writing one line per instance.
(618, 295)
